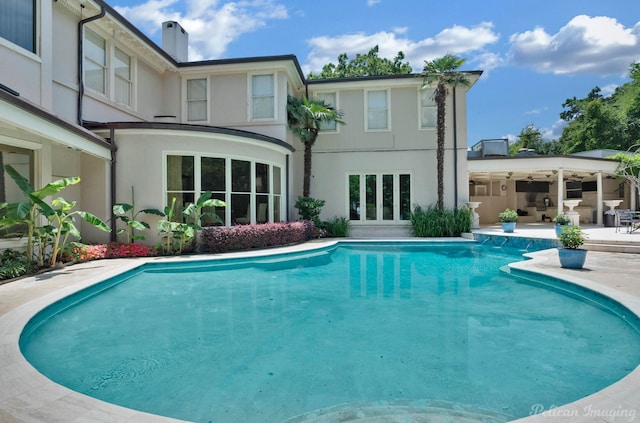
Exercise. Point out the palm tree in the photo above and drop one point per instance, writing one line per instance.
(305, 118)
(442, 72)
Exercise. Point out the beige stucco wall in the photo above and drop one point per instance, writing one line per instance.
(404, 147)
(140, 161)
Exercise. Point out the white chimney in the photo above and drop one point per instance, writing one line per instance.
(175, 41)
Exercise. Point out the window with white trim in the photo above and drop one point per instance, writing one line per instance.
(428, 109)
(197, 100)
(252, 190)
(263, 97)
(379, 196)
(108, 70)
(377, 110)
(18, 22)
(329, 99)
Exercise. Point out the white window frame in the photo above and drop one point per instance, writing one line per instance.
(251, 96)
(379, 197)
(366, 111)
(421, 107)
(326, 127)
(185, 99)
(109, 72)
(197, 174)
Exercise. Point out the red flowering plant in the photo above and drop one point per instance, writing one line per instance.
(81, 252)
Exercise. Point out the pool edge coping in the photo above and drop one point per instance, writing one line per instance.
(33, 397)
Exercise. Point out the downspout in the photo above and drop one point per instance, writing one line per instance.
(455, 151)
(81, 60)
(112, 140)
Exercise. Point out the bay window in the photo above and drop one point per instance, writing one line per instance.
(252, 190)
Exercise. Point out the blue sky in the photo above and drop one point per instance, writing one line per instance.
(534, 54)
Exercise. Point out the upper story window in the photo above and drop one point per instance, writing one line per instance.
(18, 22)
(330, 100)
(108, 70)
(377, 110)
(197, 100)
(428, 109)
(95, 62)
(263, 97)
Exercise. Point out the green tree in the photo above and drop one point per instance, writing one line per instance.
(369, 64)
(598, 122)
(629, 167)
(443, 73)
(531, 137)
(305, 118)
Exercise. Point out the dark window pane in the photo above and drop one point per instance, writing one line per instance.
(221, 212)
(240, 209)
(405, 197)
(180, 175)
(371, 193)
(213, 174)
(262, 208)
(240, 176)
(262, 177)
(354, 197)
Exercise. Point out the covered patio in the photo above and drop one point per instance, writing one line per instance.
(541, 187)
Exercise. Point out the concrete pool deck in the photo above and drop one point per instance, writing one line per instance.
(28, 396)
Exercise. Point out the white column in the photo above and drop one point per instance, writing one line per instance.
(600, 210)
(560, 197)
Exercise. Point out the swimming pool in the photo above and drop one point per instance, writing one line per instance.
(272, 338)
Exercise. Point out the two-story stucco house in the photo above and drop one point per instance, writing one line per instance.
(85, 93)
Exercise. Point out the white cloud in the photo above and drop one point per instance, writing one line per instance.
(373, 2)
(607, 90)
(212, 25)
(555, 131)
(460, 40)
(535, 111)
(595, 45)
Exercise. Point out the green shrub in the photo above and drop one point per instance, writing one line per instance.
(435, 222)
(14, 263)
(309, 209)
(508, 215)
(337, 227)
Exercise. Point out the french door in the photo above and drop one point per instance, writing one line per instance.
(379, 197)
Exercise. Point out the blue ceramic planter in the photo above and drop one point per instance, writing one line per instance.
(559, 229)
(508, 227)
(572, 258)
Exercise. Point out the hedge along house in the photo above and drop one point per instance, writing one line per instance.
(120, 112)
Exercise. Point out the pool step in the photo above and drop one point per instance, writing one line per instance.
(612, 246)
(401, 412)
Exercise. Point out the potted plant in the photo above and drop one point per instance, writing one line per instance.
(571, 255)
(561, 221)
(508, 219)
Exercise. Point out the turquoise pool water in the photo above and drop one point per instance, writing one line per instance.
(267, 339)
